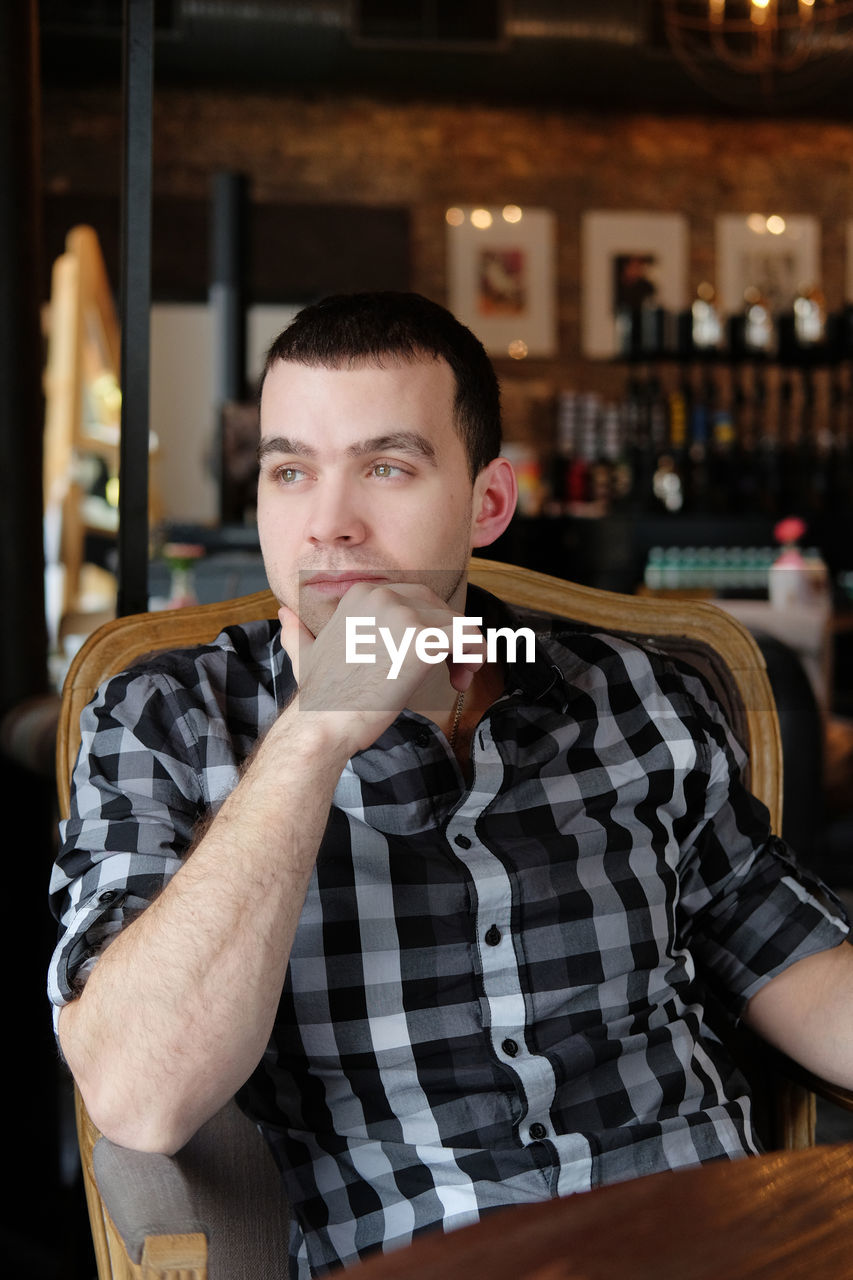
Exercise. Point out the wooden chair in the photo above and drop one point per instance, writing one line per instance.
(180, 1230)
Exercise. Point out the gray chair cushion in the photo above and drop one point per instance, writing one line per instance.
(223, 1183)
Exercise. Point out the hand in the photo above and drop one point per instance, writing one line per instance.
(365, 697)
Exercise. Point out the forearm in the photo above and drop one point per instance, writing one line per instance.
(807, 1012)
(178, 1010)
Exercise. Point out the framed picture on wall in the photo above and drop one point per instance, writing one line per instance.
(775, 254)
(501, 277)
(628, 259)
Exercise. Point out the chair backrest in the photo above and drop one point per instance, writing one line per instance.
(122, 641)
(694, 631)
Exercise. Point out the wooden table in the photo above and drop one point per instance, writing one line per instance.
(783, 1216)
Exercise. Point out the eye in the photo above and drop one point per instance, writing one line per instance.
(386, 470)
(288, 475)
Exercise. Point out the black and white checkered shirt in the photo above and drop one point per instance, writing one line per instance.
(497, 993)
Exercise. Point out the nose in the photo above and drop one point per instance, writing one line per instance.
(336, 514)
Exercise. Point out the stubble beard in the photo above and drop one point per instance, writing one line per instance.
(315, 613)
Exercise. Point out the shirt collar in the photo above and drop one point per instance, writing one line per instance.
(540, 680)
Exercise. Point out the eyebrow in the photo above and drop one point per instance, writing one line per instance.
(411, 442)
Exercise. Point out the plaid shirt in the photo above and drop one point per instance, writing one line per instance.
(497, 992)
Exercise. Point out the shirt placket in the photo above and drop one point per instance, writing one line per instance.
(498, 951)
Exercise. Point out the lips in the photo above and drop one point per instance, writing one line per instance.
(338, 583)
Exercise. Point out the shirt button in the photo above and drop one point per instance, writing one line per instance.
(462, 841)
(423, 737)
(108, 896)
(538, 1132)
(510, 1048)
(493, 936)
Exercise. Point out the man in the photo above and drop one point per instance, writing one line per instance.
(449, 934)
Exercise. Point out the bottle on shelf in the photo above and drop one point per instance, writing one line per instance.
(721, 454)
(759, 337)
(616, 458)
(588, 481)
(809, 316)
(699, 430)
(749, 409)
(839, 493)
(561, 460)
(790, 421)
(797, 579)
(641, 418)
(569, 467)
(817, 444)
(768, 464)
(579, 472)
(706, 328)
(669, 480)
(762, 426)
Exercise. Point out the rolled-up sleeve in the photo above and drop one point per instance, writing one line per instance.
(749, 907)
(136, 797)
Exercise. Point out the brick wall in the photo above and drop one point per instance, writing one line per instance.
(422, 156)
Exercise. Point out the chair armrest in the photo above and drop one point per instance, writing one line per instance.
(834, 1093)
(223, 1185)
(145, 1195)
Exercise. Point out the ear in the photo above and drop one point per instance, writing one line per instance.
(495, 496)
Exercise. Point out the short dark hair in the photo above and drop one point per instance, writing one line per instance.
(345, 329)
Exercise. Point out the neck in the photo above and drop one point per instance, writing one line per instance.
(485, 688)
(436, 697)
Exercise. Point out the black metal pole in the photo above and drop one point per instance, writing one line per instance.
(23, 636)
(228, 313)
(227, 286)
(34, 1196)
(135, 306)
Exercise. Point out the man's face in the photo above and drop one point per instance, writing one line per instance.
(362, 477)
